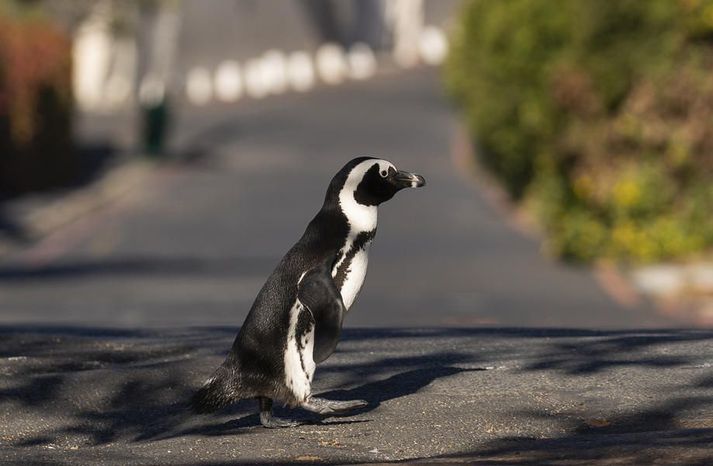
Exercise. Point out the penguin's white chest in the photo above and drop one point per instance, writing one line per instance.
(350, 270)
(298, 359)
(356, 272)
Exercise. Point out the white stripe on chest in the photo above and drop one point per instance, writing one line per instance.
(299, 362)
(356, 272)
(361, 219)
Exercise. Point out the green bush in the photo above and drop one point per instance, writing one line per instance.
(35, 103)
(598, 115)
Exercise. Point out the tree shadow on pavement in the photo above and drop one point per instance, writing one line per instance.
(377, 390)
(93, 388)
(589, 356)
(74, 386)
(680, 446)
(12, 229)
(101, 387)
(671, 427)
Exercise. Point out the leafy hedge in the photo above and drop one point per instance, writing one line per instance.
(598, 116)
(35, 103)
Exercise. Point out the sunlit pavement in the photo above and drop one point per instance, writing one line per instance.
(194, 243)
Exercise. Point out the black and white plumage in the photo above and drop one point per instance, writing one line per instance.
(296, 319)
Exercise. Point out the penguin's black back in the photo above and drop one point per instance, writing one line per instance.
(265, 327)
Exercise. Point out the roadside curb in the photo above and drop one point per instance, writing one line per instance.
(69, 207)
(679, 290)
(463, 157)
(683, 292)
(629, 288)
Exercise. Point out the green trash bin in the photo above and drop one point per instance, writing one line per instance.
(155, 120)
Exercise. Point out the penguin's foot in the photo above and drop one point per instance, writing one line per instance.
(332, 407)
(269, 421)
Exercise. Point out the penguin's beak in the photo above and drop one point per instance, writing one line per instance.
(404, 179)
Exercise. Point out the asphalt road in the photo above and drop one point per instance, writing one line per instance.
(193, 245)
(88, 377)
(472, 396)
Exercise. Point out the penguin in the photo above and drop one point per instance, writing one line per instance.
(296, 319)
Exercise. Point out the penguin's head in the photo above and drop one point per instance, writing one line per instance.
(371, 181)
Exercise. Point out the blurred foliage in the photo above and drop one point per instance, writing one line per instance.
(596, 115)
(35, 101)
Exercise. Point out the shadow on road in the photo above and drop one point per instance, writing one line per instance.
(104, 386)
(132, 266)
(374, 392)
(631, 449)
(12, 229)
(89, 163)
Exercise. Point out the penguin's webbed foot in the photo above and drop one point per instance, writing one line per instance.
(271, 422)
(332, 407)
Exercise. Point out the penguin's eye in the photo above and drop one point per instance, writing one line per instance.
(384, 173)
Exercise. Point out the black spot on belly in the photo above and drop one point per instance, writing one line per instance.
(359, 244)
(305, 324)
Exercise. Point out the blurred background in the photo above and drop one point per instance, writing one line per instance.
(158, 157)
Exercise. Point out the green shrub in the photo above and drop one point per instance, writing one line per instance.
(35, 104)
(598, 115)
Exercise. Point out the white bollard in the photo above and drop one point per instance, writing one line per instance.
(199, 86)
(300, 71)
(255, 83)
(228, 81)
(331, 63)
(362, 63)
(274, 71)
(433, 45)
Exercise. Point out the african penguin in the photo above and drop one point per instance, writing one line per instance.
(297, 316)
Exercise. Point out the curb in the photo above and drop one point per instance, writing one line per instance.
(464, 159)
(614, 280)
(683, 292)
(69, 207)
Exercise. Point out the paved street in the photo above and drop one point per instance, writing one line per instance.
(470, 396)
(88, 377)
(193, 245)
(469, 345)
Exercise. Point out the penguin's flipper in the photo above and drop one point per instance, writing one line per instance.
(320, 295)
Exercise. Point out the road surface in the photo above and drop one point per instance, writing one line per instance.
(194, 244)
(470, 396)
